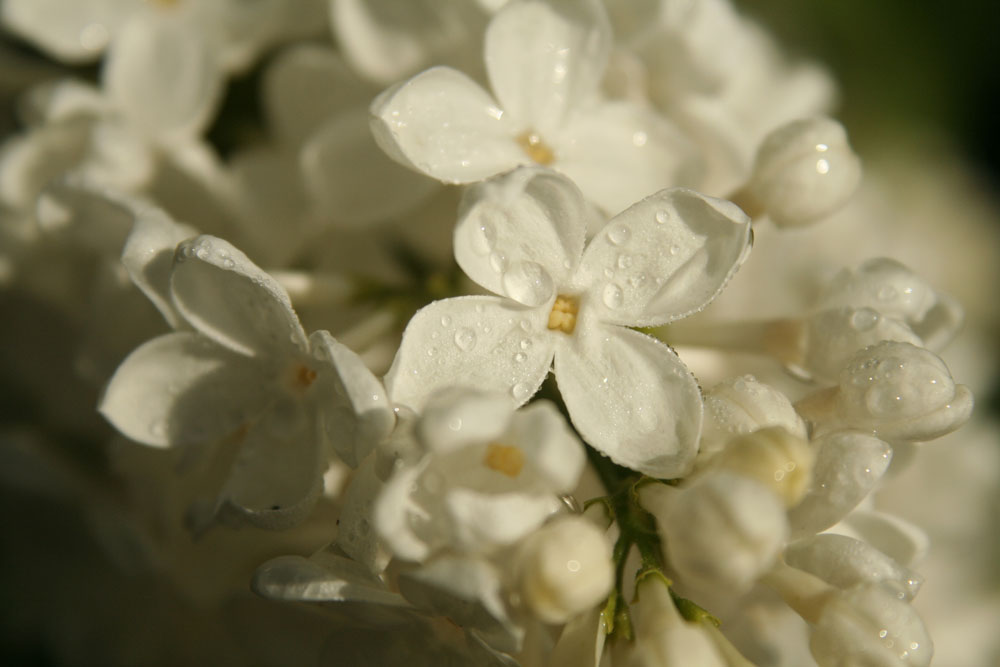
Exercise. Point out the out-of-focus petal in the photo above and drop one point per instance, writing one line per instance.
(483, 342)
(180, 389)
(544, 59)
(352, 179)
(664, 258)
(163, 74)
(75, 32)
(631, 398)
(619, 153)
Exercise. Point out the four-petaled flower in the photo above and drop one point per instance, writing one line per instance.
(522, 236)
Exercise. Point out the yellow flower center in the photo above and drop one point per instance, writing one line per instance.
(532, 144)
(563, 315)
(505, 459)
(299, 378)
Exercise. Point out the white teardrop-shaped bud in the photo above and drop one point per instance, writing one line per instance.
(804, 171)
(742, 405)
(848, 465)
(833, 336)
(868, 625)
(845, 562)
(723, 531)
(564, 568)
(892, 289)
(774, 457)
(662, 637)
(901, 391)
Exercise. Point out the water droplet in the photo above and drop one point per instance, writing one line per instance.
(608, 273)
(446, 320)
(465, 339)
(528, 283)
(613, 296)
(519, 357)
(228, 263)
(520, 391)
(618, 234)
(498, 262)
(624, 261)
(455, 424)
(864, 319)
(567, 264)
(202, 252)
(662, 217)
(674, 249)
(431, 351)
(525, 326)
(525, 343)
(434, 335)
(484, 237)
(887, 292)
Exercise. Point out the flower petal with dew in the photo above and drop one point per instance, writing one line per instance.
(521, 235)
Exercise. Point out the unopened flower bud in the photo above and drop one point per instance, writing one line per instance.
(774, 457)
(845, 562)
(869, 625)
(564, 569)
(742, 405)
(804, 171)
(902, 391)
(848, 465)
(723, 531)
(892, 289)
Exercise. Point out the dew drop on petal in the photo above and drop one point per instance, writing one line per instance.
(498, 262)
(519, 357)
(446, 320)
(887, 292)
(455, 424)
(465, 339)
(613, 296)
(528, 283)
(520, 391)
(525, 343)
(624, 261)
(662, 217)
(618, 234)
(864, 319)
(484, 237)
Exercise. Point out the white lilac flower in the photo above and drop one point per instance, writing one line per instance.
(773, 456)
(487, 478)
(522, 236)
(241, 369)
(544, 63)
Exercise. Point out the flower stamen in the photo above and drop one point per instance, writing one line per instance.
(563, 315)
(505, 459)
(539, 152)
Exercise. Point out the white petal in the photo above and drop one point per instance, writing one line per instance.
(664, 258)
(322, 578)
(530, 215)
(386, 40)
(307, 84)
(631, 398)
(61, 99)
(355, 533)
(354, 410)
(352, 179)
(848, 466)
(223, 295)
(277, 476)
(163, 75)
(148, 256)
(545, 59)
(844, 562)
(468, 591)
(484, 521)
(75, 32)
(541, 432)
(619, 153)
(442, 123)
(30, 161)
(180, 389)
(400, 521)
(458, 417)
(904, 542)
(483, 342)
(581, 643)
